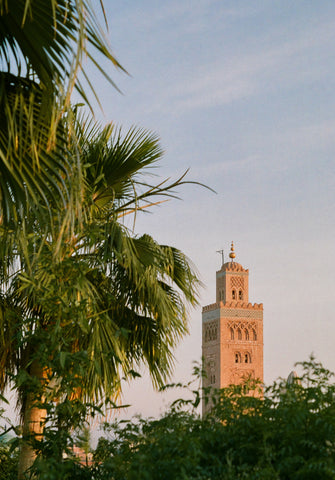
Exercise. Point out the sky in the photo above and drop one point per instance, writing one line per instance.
(242, 94)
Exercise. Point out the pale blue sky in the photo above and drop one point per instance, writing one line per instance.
(242, 93)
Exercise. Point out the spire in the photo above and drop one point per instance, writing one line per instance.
(222, 255)
(232, 253)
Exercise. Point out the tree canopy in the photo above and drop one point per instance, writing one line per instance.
(287, 434)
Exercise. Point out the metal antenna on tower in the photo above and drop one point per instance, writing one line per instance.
(222, 255)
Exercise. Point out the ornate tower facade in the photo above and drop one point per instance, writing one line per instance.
(232, 330)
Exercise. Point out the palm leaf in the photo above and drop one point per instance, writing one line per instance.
(42, 47)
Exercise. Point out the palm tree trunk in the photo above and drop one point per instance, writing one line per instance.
(33, 424)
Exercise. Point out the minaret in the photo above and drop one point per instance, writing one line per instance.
(232, 330)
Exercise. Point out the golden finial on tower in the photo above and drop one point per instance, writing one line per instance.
(232, 253)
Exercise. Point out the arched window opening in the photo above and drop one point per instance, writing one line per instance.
(237, 358)
(239, 334)
(232, 334)
(211, 333)
(240, 295)
(254, 335)
(233, 295)
(246, 333)
(247, 358)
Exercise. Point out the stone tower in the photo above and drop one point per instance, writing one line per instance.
(232, 330)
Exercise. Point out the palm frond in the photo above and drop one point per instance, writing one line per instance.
(116, 299)
(42, 48)
(117, 166)
(49, 39)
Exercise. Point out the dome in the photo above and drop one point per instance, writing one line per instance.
(233, 266)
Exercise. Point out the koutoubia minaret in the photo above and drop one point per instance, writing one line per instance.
(232, 330)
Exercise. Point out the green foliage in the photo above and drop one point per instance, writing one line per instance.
(9, 452)
(166, 448)
(287, 434)
(8, 462)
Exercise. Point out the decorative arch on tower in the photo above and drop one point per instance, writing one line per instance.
(211, 331)
(246, 357)
(238, 357)
(239, 330)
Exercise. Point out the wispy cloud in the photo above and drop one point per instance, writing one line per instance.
(232, 78)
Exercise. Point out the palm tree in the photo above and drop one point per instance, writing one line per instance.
(83, 299)
(73, 328)
(42, 46)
